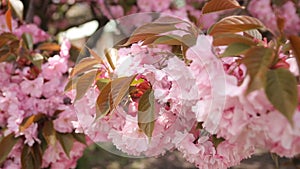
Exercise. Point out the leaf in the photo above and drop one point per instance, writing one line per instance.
(281, 90)
(137, 81)
(295, 43)
(146, 116)
(48, 132)
(101, 83)
(66, 140)
(28, 40)
(119, 88)
(227, 39)
(6, 144)
(258, 60)
(7, 38)
(234, 24)
(219, 5)
(95, 55)
(85, 65)
(80, 137)
(103, 102)
(109, 54)
(84, 82)
(280, 23)
(37, 60)
(253, 33)
(216, 141)
(71, 84)
(112, 94)
(49, 46)
(18, 8)
(30, 120)
(8, 18)
(235, 49)
(31, 157)
(149, 30)
(165, 20)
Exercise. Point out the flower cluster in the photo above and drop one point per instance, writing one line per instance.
(33, 105)
(200, 107)
(269, 13)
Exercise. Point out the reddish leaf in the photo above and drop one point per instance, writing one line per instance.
(295, 43)
(219, 5)
(85, 65)
(103, 102)
(84, 82)
(234, 24)
(49, 46)
(8, 18)
(112, 94)
(226, 39)
(28, 121)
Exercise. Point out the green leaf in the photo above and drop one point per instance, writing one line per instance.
(49, 132)
(281, 90)
(146, 116)
(219, 5)
(66, 140)
(234, 24)
(235, 49)
(253, 33)
(258, 60)
(6, 144)
(37, 59)
(28, 40)
(84, 82)
(136, 82)
(80, 137)
(216, 141)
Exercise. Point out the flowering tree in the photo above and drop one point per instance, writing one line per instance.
(215, 80)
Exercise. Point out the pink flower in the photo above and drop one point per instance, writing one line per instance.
(37, 34)
(33, 87)
(55, 67)
(31, 134)
(63, 123)
(145, 5)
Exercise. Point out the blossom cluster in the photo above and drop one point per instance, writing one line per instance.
(195, 105)
(28, 91)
